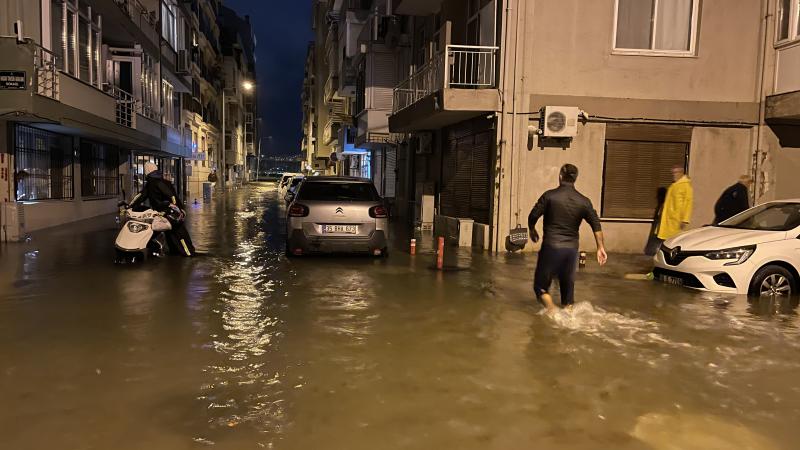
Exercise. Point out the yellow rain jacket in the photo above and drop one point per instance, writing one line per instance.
(677, 208)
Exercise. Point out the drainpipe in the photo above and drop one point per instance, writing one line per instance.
(761, 103)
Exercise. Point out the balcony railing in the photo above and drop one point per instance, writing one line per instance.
(125, 110)
(144, 19)
(467, 67)
(46, 70)
(331, 131)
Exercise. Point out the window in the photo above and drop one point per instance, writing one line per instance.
(99, 170)
(634, 172)
(666, 27)
(788, 28)
(338, 192)
(167, 105)
(149, 87)
(77, 40)
(169, 23)
(43, 164)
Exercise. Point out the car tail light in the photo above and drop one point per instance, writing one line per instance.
(298, 210)
(378, 212)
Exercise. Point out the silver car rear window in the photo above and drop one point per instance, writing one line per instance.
(338, 191)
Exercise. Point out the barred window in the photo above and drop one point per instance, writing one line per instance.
(99, 170)
(43, 164)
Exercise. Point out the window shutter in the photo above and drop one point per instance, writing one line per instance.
(634, 171)
(383, 80)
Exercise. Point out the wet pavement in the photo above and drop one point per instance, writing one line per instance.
(243, 348)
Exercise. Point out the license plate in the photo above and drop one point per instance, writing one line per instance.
(677, 281)
(340, 229)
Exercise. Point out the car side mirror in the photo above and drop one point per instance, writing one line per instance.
(289, 197)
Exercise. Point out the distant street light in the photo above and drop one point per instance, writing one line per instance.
(248, 86)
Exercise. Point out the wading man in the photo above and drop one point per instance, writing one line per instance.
(563, 209)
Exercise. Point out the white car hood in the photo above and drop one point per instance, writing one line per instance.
(718, 238)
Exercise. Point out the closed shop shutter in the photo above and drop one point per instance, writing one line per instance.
(383, 80)
(466, 174)
(634, 171)
(390, 172)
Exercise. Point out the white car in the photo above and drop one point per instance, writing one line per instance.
(755, 253)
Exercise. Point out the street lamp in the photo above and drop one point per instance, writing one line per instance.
(247, 86)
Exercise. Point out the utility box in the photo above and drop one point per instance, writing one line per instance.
(12, 218)
(465, 227)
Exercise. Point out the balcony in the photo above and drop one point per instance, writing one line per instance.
(125, 111)
(458, 83)
(418, 7)
(144, 22)
(331, 131)
(330, 89)
(46, 73)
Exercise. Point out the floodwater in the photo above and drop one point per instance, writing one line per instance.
(244, 349)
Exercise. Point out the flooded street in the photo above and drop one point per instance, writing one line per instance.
(243, 348)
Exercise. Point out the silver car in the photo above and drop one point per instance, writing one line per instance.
(336, 215)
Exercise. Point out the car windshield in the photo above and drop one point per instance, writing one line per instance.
(768, 217)
(338, 191)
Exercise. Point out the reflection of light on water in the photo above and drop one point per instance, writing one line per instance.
(243, 390)
(343, 311)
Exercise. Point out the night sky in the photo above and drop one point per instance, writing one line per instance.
(283, 30)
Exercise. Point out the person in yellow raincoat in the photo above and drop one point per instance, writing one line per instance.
(677, 206)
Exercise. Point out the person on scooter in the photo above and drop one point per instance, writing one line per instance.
(160, 195)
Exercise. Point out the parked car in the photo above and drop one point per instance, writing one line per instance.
(756, 252)
(337, 215)
(286, 178)
(291, 188)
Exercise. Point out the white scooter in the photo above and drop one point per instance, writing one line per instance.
(141, 234)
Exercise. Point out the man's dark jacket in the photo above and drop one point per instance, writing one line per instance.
(563, 208)
(734, 200)
(158, 192)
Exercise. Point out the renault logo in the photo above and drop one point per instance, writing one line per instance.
(674, 252)
(339, 210)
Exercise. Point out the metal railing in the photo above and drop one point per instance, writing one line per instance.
(125, 111)
(46, 71)
(467, 67)
(144, 19)
(471, 67)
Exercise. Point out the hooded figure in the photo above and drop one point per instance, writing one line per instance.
(160, 196)
(734, 200)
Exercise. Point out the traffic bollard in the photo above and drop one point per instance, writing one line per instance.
(413, 247)
(440, 254)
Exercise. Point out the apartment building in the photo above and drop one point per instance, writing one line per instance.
(351, 71)
(240, 95)
(202, 106)
(501, 94)
(92, 90)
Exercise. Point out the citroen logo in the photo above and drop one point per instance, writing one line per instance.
(674, 252)
(339, 210)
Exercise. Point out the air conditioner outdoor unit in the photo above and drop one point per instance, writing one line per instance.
(560, 121)
(183, 62)
(12, 218)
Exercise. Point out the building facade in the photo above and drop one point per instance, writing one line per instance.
(90, 91)
(498, 95)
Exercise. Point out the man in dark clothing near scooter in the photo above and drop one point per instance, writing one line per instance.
(564, 209)
(734, 200)
(161, 196)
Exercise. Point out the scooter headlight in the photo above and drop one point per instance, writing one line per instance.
(739, 255)
(136, 227)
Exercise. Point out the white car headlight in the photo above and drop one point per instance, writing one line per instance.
(136, 227)
(739, 254)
